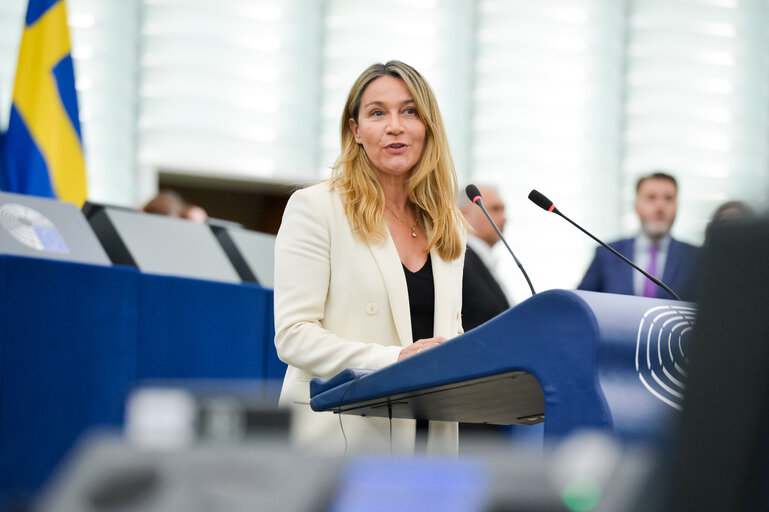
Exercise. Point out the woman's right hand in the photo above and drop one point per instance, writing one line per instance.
(420, 345)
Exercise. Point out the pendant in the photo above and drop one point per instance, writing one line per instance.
(413, 234)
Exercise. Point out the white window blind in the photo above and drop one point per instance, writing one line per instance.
(11, 25)
(104, 53)
(697, 104)
(547, 116)
(434, 37)
(230, 88)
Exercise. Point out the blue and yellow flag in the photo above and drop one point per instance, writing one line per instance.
(43, 149)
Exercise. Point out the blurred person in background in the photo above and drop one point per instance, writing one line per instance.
(171, 204)
(728, 212)
(653, 249)
(732, 210)
(483, 294)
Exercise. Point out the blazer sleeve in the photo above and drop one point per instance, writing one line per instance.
(302, 276)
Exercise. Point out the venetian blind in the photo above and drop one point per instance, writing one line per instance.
(230, 88)
(548, 116)
(697, 104)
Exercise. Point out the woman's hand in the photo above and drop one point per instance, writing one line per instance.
(420, 345)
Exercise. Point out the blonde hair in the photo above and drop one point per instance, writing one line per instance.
(432, 186)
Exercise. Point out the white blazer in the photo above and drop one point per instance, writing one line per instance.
(342, 303)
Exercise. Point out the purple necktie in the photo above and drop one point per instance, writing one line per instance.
(649, 287)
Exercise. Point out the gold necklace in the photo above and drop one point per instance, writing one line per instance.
(412, 228)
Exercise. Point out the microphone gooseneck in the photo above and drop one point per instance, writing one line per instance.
(474, 195)
(546, 204)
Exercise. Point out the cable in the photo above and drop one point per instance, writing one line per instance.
(390, 416)
(339, 411)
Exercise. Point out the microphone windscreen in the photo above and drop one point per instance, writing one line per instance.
(540, 200)
(472, 192)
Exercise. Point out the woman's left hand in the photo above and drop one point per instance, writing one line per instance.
(420, 345)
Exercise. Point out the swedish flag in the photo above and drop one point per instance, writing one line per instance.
(43, 149)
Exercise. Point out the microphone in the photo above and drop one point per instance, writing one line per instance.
(546, 204)
(474, 195)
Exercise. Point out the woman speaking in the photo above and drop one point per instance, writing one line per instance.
(368, 265)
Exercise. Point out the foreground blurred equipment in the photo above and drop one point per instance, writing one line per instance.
(194, 446)
(720, 459)
(175, 414)
(589, 471)
(109, 474)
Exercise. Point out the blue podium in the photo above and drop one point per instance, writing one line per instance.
(573, 359)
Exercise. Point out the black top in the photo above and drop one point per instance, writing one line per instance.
(421, 300)
(422, 306)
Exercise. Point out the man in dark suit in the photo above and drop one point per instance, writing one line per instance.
(653, 249)
(483, 297)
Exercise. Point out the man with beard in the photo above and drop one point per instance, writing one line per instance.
(653, 249)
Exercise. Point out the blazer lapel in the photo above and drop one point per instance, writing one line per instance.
(442, 277)
(389, 263)
(446, 275)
